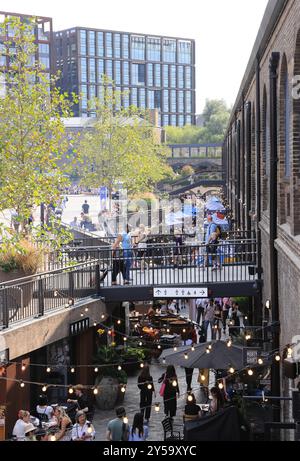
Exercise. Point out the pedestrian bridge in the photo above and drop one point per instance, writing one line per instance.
(154, 271)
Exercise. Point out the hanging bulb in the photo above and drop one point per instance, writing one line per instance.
(140, 343)
(123, 389)
(190, 398)
(22, 385)
(157, 407)
(175, 349)
(95, 391)
(248, 337)
(290, 352)
(95, 324)
(250, 372)
(125, 420)
(48, 370)
(52, 438)
(260, 361)
(44, 388)
(184, 330)
(102, 316)
(71, 390)
(174, 383)
(23, 368)
(159, 346)
(119, 368)
(96, 370)
(164, 361)
(193, 349)
(231, 370)
(203, 378)
(55, 294)
(229, 343)
(82, 314)
(142, 365)
(186, 357)
(149, 387)
(277, 358)
(221, 386)
(72, 370)
(125, 339)
(119, 322)
(210, 347)
(207, 350)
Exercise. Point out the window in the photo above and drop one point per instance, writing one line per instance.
(180, 77)
(184, 52)
(92, 92)
(108, 69)
(133, 94)
(125, 97)
(117, 72)
(91, 42)
(100, 45)
(100, 70)
(157, 99)
(125, 46)
(180, 101)
(173, 101)
(165, 101)
(165, 120)
(166, 76)
(173, 120)
(117, 45)
(180, 120)
(83, 91)
(150, 74)
(126, 73)
(287, 119)
(138, 47)
(173, 76)
(188, 77)
(169, 50)
(157, 75)
(188, 101)
(108, 45)
(92, 70)
(151, 99)
(188, 120)
(142, 98)
(43, 48)
(83, 70)
(83, 42)
(153, 49)
(138, 74)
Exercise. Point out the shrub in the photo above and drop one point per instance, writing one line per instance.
(22, 255)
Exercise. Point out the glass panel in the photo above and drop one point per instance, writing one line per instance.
(173, 76)
(165, 101)
(125, 46)
(100, 45)
(133, 96)
(100, 70)
(92, 70)
(181, 120)
(188, 101)
(150, 74)
(180, 101)
(166, 76)
(151, 99)
(141, 74)
(117, 76)
(83, 42)
(138, 47)
(126, 73)
(157, 74)
(83, 69)
(92, 92)
(188, 77)
(117, 45)
(134, 74)
(153, 49)
(169, 50)
(2, 57)
(173, 101)
(125, 97)
(142, 98)
(188, 120)
(157, 99)
(108, 69)
(91, 42)
(108, 44)
(184, 52)
(43, 48)
(165, 120)
(180, 77)
(173, 120)
(83, 91)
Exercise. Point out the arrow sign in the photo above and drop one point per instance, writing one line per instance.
(179, 292)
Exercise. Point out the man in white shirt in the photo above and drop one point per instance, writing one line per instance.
(21, 425)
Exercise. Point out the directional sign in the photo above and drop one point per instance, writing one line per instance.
(180, 292)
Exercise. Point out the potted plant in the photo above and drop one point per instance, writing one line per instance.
(19, 259)
(132, 357)
(109, 379)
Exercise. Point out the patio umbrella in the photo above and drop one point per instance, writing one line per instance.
(221, 357)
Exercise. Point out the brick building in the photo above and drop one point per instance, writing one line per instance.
(262, 157)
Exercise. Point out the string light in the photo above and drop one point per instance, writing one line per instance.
(290, 352)
(190, 398)
(119, 322)
(268, 304)
(96, 370)
(231, 370)
(184, 330)
(140, 343)
(48, 370)
(22, 385)
(142, 365)
(82, 314)
(277, 358)
(123, 389)
(44, 388)
(125, 420)
(248, 336)
(52, 438)
(55, 294)
(71, 390)
(207, 350)
(250, 372)
(229, 343)
(119, 368)
(164, 361)
(203, 378)
(159, 346)
(149, 387)
(260, 361)
(23, 368)
(95, 324)
(157, 407)
(193, 349)
(95, 391)
(186, 356)
(72, 370)
(174, 383)
(86, 309)
(125, 339)
(210, 347)
(175, 349)
(221, 386)
(102, 316)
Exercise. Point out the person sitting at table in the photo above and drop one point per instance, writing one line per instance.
(22, 422)
(83, 430)
(82, 401)
(192, 411)
(30, 431)
(217, 402)
(44, 411)
(64, 424)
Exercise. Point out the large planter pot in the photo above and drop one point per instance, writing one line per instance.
(21, 295)
(108, 395)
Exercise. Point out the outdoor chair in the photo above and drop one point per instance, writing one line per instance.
(169, 433)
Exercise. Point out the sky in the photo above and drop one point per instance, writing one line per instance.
(224, 30)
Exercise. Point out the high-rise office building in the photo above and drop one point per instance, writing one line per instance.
(43, 33)
(154, 72)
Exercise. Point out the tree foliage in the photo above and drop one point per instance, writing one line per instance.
(120, 146)
(215, 115)
(32, 134)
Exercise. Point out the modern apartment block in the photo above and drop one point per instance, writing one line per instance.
(43, 33)
(155, 72)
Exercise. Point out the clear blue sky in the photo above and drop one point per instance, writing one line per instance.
(224, 30)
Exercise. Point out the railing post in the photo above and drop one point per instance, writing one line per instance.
(71, 285)
(97, 279)
(41, 297)
(5, 308)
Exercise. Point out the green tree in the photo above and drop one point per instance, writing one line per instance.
(32, 135)
(121, 146)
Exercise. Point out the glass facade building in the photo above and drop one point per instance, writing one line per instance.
(156, 72)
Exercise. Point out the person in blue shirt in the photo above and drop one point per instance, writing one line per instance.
(211, 228)
(122, 257)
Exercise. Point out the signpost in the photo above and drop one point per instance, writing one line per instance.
(180, 292)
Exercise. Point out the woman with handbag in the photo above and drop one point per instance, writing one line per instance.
(169, 391)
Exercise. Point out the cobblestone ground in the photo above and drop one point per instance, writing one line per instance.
(131, 403)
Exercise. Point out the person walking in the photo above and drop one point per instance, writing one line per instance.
(200, 306)
(138, 432)
(118, 429)
(217, 330)
(146, 386)
(86, 207)
(209, 315)
(225, 312)
(171, 391)
(122, 254)
(212, 247)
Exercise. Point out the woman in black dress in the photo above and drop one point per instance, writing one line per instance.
(171, 391)
(145, 384)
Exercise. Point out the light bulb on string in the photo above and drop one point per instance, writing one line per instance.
(157, 407)
(231, 370)
(248, 337)
(82, 314)
(203, 378)
(190, 398)
(207, 350)
(221, 386)
(124, 339)
(277, 358)
(164, 361)
(22, 385)
(125, 420)
(193, 349)
(55, 294)
(186, 357)
(44, 388)
(95, 324)
(159, 346)
(71, 390)
(119, 322)
(260, 361)
(102, 316)
(23, 368)
(142, 365)
(123, 389)
(229, 343)
(140, 343)
(119, 368)
(175, 349)
(250, 372)
(210, 347)
(290, 352)
(149, 387)
(95, 391)
(52, 438)
(72, 370)
(174, 383)
(184, 330)
(96, 370)
(48, 370)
